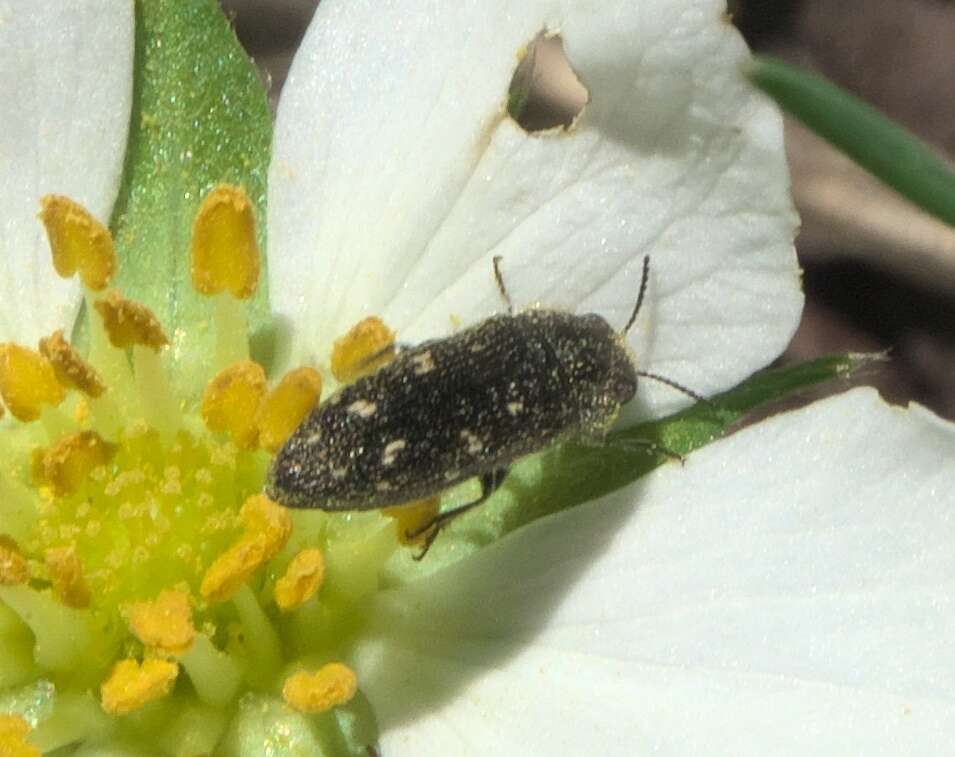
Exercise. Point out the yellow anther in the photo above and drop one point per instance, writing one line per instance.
(328, 687)
(68, 463)
(367, 346)
(66, 575)
(132, 685)
(287, 405)
(232, 569)
(13, 566)
(129, 323)
(13, 737)
(164, 623)
(79, 242)
(225, 253)
(27, 382)
(412, 517)
(260, 515)
(231, 402)
(70, 367)
(267, 527)
(302, 579)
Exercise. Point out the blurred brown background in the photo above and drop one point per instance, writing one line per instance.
(879, 274)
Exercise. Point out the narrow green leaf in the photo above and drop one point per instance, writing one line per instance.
(574, 473)
(876, 143)
(200, 117)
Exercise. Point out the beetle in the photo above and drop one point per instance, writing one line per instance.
(464, 406)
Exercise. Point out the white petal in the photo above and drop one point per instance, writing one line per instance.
(396, 177)
(788, 591)
(66, 89)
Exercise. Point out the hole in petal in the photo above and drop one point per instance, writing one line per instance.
(545, 92)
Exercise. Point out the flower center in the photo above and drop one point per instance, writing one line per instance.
(134, 543)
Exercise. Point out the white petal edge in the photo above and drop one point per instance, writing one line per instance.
(788, 591)
(396, 177)
(66, 88)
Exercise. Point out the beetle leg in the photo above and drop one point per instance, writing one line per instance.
(490, 483)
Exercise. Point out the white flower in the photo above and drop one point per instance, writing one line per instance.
(787, 590)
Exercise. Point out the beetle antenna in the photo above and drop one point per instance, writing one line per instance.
(500, 284)
(643, 288)
(674, 385)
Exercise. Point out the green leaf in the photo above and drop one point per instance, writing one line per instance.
(575, 472)
(876, 143)
(200, 117)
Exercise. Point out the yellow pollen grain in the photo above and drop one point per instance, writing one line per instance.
(287, 405)
(231, 402)
(14, 730)
(225, 253)
(70, 367)
(164, 623)
(328, 687)
(132, 685)
(78, 241)
(412, 517)
(301, 581)
(67, 464)
(66, 575)
(27, 382)
(130, 323)
(14, 569)
(267, 528)
(367, 346)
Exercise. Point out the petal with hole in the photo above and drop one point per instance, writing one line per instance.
(397, 176)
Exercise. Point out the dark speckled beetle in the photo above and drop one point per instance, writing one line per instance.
(461, 407)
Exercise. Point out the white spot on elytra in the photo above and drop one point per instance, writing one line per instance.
(339, 472)
(475, 445)
(383, 486)
(391, 451)
(423, 363)
(515, 407)
(362, 408)
(450, 475)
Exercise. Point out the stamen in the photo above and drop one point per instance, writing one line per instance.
(13, 565)
(286, 406)
(268, 527)
(260, 515)
(225, 253)
(68, 463)
(367, 346)
(231, 401)
(70, 367)
(78, 242)
(14, 730)
(164, 623)
(301, 581)
(330, 686)
(160, 409)
(27, 382)
(131, 686)
(412, 517)
(232, 569)
(66, 575)
(129, 323)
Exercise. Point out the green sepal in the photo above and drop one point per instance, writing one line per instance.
(200, 117)
(875, 142)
